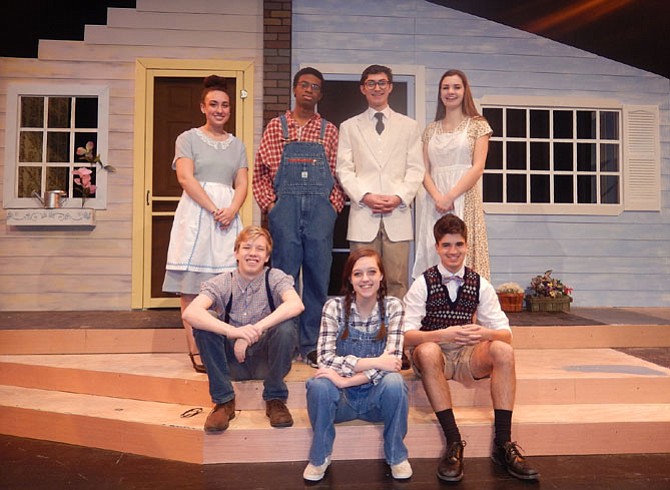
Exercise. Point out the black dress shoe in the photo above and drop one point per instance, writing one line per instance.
(451, 464)
(509, 456)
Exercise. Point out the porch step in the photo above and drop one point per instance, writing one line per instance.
(556, 376)
(125, 390)
(155, 340)
(157, 430)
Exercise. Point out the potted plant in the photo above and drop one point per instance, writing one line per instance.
(547, 293)
(510, 295)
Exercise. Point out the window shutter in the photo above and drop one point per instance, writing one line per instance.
(642, 166)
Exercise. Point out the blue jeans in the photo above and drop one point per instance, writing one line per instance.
(268, 359)
(302, 232)
(301, 224)
(384, 402)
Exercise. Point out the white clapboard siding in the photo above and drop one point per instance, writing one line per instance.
(76, 50)
(599, 255)
(82, 269)
(203, 21)
(95, 34)
(62, 265)
(212, 6)
(93, 299)
(27, 283)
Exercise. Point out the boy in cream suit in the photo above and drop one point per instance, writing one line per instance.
(380, 167)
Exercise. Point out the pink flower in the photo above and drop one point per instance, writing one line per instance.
(83, 180)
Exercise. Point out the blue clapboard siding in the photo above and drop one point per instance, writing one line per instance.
(619, 260)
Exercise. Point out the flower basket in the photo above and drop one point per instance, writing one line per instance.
(540, 303)
(511, 302)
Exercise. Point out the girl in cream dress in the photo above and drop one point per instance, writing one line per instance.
(455, 146)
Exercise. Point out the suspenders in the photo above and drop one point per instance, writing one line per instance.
(284, 128)
(267, 291)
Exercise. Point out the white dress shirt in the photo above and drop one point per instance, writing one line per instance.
(489, 313)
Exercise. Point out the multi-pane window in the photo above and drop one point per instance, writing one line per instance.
(45, 125)
(542, 156)
(51, 128)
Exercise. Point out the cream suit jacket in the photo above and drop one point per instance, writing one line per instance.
(390, 163)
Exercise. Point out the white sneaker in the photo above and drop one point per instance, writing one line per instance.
(316, 473)
(401, 471)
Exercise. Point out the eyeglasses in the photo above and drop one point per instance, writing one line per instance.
(371, 84)
(314, 86)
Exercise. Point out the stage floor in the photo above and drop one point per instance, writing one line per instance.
(41, 465)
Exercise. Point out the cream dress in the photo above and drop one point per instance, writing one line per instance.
(450, 155)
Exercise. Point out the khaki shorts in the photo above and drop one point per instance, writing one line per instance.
(456, 363)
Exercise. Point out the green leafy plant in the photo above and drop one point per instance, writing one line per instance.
(548, 287)
(86, 153)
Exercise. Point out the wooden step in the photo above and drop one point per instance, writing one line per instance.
(111, 341)
(157, 430)
(556, 376)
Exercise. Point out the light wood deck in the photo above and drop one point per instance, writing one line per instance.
(593, 400)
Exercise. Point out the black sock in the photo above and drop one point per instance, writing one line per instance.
(503, 426)
(448, 423)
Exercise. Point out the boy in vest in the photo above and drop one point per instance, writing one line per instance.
(252, 335)
(441, 307)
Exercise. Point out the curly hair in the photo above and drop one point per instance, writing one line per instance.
(213, 82)
(350, 295)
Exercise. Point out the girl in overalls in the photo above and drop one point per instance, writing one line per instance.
(359, 356)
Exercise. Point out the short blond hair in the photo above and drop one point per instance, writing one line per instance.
(252, 233)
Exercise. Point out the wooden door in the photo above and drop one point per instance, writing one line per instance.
(168, 96)
(176, 109)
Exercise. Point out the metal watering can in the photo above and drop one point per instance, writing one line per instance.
(52, 199)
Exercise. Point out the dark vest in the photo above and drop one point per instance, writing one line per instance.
(441, 311)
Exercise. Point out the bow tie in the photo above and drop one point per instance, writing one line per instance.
(454, 277)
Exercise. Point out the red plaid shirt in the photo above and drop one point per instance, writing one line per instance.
(270, 151)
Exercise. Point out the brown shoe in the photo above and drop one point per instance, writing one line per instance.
(451, 465)
(278, 413)
(220, 417)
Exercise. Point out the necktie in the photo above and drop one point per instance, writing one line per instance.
(380, 122)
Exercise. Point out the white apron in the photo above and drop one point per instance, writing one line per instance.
(197, 242)
(450, 158)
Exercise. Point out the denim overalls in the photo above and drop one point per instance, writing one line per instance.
(385, 402)
(301, 223)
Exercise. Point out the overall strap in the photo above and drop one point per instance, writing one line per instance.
(267, 291)
(230, 300)
(284, 126)
(322, 136)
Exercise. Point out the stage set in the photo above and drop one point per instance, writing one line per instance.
(590, 382)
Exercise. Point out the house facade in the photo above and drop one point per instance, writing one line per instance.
(577, 180)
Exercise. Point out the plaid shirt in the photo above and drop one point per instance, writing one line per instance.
(268, 157)
(250, 299)
(330, 327)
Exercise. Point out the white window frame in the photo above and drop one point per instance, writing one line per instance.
(645, 197)
(12, 123)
